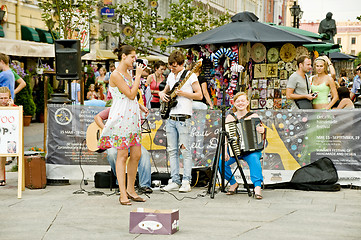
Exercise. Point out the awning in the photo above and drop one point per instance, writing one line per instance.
(2, 34)
(323, 48)
(298, 31)
(341, 56)
(28, 33)
(105, 54)
(45, 36)
(14, 47)
(90, 56)
(154, 58)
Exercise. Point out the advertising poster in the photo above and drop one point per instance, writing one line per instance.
(293, 139)
(9, 131)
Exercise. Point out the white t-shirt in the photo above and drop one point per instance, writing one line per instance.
(184, 105)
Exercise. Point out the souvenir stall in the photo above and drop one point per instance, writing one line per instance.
(343, 62)
(259, 69)
(250, 56)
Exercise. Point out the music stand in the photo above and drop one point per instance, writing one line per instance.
(145, 126)
(222, 148)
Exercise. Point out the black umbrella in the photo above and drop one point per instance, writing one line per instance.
(341, 56)
(245, 28)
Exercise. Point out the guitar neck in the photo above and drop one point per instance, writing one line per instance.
(173, 94)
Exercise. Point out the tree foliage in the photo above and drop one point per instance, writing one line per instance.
(25, 98)
(185, 20)
(357, 60)
(135, 24)
(65, 17)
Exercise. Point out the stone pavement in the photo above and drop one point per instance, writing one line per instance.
(57, 213)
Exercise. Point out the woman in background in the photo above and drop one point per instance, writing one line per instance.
(322, 84)
(345, 101)
(154, 80)
(101, 79)
(92, 94)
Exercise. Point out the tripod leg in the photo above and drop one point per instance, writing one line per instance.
(212, 183)
(243, 177)
(230, 140)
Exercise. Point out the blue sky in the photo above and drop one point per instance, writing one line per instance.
(342, 10)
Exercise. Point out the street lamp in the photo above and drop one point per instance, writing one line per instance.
(297, 14)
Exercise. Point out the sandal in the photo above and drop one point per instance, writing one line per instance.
(136, 199)
(127, 203)
(2, 182)
(257, 196)
(231, 192)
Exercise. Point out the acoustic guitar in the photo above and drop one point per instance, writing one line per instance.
(92, 137)
(165, 107)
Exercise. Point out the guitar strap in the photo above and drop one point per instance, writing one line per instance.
(245, 116)
(184, 74)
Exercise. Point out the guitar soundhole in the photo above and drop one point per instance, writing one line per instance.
(98, 134)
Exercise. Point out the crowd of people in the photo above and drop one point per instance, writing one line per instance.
(321, 90)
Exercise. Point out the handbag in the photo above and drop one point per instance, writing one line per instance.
(304, 103)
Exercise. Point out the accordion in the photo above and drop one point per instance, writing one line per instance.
(243, 136)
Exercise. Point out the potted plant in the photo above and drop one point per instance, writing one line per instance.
(25, 98)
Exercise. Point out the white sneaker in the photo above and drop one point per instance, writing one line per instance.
(171, 187)
(186, 187)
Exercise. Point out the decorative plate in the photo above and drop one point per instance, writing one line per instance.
(301, 50)
(258, 52)
(273, 55)
(289, 66)
(244, 53)
(281, 65)
(288, 52)
(294, 65)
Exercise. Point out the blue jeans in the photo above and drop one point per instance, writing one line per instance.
(255, 168)
(144, 166)
(200, 112)
(178, 134)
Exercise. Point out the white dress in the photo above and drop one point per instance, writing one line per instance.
(123, 127)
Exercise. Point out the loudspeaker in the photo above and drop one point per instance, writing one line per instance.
(104, 180)
(163, 177)
(67, 59)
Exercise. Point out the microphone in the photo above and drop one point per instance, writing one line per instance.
(144, 62)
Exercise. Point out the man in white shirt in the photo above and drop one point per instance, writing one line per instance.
(178, 125)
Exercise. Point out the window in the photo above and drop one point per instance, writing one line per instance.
(338, 40)
(353, 40)
(353, 52)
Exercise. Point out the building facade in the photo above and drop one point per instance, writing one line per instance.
(348, 35)
(274, 11)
